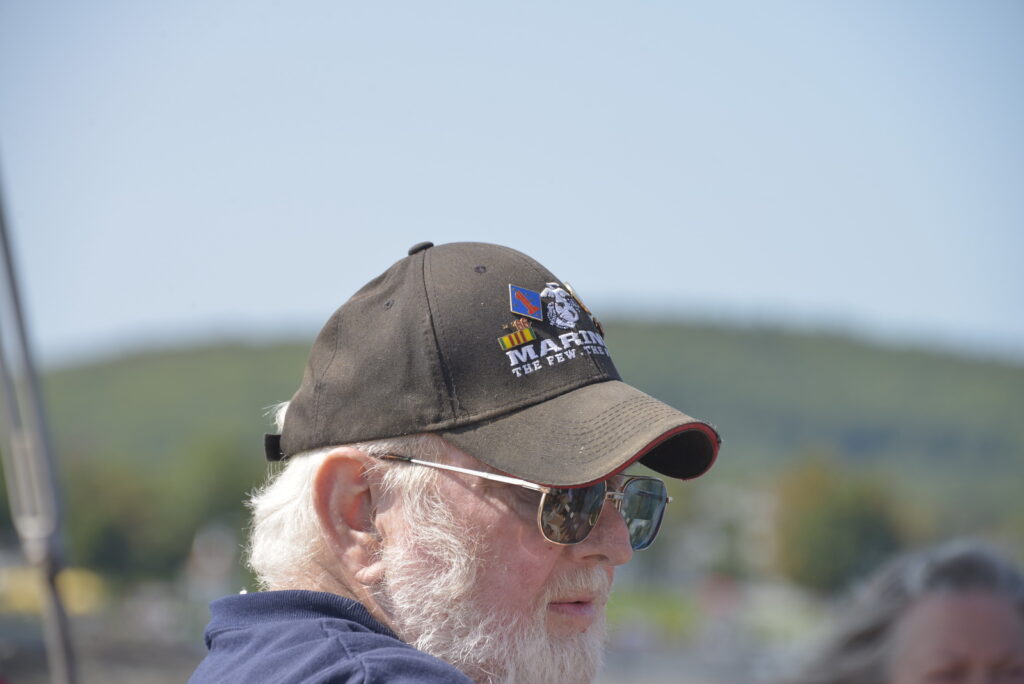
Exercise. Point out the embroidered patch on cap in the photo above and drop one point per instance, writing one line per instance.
(531, 350)
(525, 302)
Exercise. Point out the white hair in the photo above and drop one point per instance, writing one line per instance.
(430, 588)
(286, 546)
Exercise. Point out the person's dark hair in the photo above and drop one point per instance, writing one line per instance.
(856, 650)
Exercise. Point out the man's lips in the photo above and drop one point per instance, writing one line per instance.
(577, 608)
(576, 602)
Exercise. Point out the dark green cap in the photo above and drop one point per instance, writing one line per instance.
(484, 346)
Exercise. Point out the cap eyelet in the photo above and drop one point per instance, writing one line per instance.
(480, 269)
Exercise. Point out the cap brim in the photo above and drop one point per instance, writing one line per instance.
(589, 434)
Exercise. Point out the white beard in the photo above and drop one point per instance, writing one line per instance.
(430, 592)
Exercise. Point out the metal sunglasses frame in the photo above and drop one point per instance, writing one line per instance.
(615, 495)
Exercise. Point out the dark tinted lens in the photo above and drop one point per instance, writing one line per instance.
(568, 515)
(643, 505)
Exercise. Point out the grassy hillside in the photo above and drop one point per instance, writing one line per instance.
(151, 406)
(775, 395)
(178, 433)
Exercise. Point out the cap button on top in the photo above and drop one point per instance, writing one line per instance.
(419, 247)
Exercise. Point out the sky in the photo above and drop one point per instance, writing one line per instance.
(199, 170)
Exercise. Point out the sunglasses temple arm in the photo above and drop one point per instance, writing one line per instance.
(467, 471)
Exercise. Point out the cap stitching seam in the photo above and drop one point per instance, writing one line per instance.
(438, 332)
(317, 418)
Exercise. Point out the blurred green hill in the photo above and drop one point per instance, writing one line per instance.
(943, 425)
(155, 444)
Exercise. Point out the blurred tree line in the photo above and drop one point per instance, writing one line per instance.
(130, 520)
(155, 445)
(835, 525)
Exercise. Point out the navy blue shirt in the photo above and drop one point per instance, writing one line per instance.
(287, 637)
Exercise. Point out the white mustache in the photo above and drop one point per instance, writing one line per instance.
(593, 583)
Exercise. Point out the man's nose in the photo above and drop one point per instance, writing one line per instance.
(608, 543)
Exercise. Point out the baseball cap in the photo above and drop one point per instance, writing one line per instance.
(485, 347)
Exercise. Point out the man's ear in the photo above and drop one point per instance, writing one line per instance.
(342, 499)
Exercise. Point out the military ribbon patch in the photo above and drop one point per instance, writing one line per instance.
(517, 338)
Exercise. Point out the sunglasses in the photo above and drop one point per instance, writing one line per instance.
(567, 516)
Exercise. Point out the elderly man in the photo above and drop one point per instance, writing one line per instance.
(455, 498)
